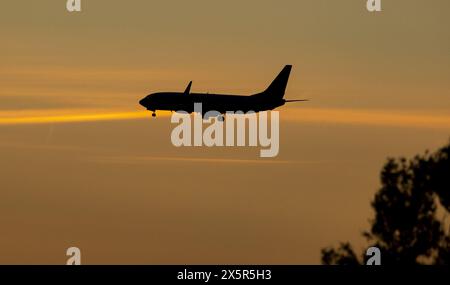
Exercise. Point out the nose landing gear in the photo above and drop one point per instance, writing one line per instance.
(153, 114)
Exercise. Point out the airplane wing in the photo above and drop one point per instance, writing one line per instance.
(188, 88)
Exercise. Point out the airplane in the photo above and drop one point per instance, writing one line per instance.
(269, 99)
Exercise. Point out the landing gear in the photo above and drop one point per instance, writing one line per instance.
(154, 114)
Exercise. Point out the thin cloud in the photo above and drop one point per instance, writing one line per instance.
(150, 159)
(64, 116)
(297, 115)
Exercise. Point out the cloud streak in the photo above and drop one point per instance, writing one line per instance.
(66, 116)
(296, 115)
(150, 159)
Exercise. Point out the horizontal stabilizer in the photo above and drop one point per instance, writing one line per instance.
(299, 100)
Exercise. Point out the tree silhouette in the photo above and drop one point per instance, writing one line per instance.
(406, 228)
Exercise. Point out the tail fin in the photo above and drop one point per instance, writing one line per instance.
(278, 86)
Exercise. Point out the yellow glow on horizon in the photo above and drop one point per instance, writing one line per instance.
(298, 115)
(65, 116)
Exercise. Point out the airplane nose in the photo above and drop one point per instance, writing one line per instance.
(142, 102)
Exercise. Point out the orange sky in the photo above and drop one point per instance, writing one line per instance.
(83, 164)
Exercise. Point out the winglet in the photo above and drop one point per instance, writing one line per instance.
(188, 88)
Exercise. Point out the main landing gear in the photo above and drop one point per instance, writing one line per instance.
(153, 114)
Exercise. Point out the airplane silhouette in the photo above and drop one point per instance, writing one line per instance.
(269, 99)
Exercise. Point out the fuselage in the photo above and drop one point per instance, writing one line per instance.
(177, 101)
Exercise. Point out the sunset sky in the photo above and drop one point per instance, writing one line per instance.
(82, 164)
